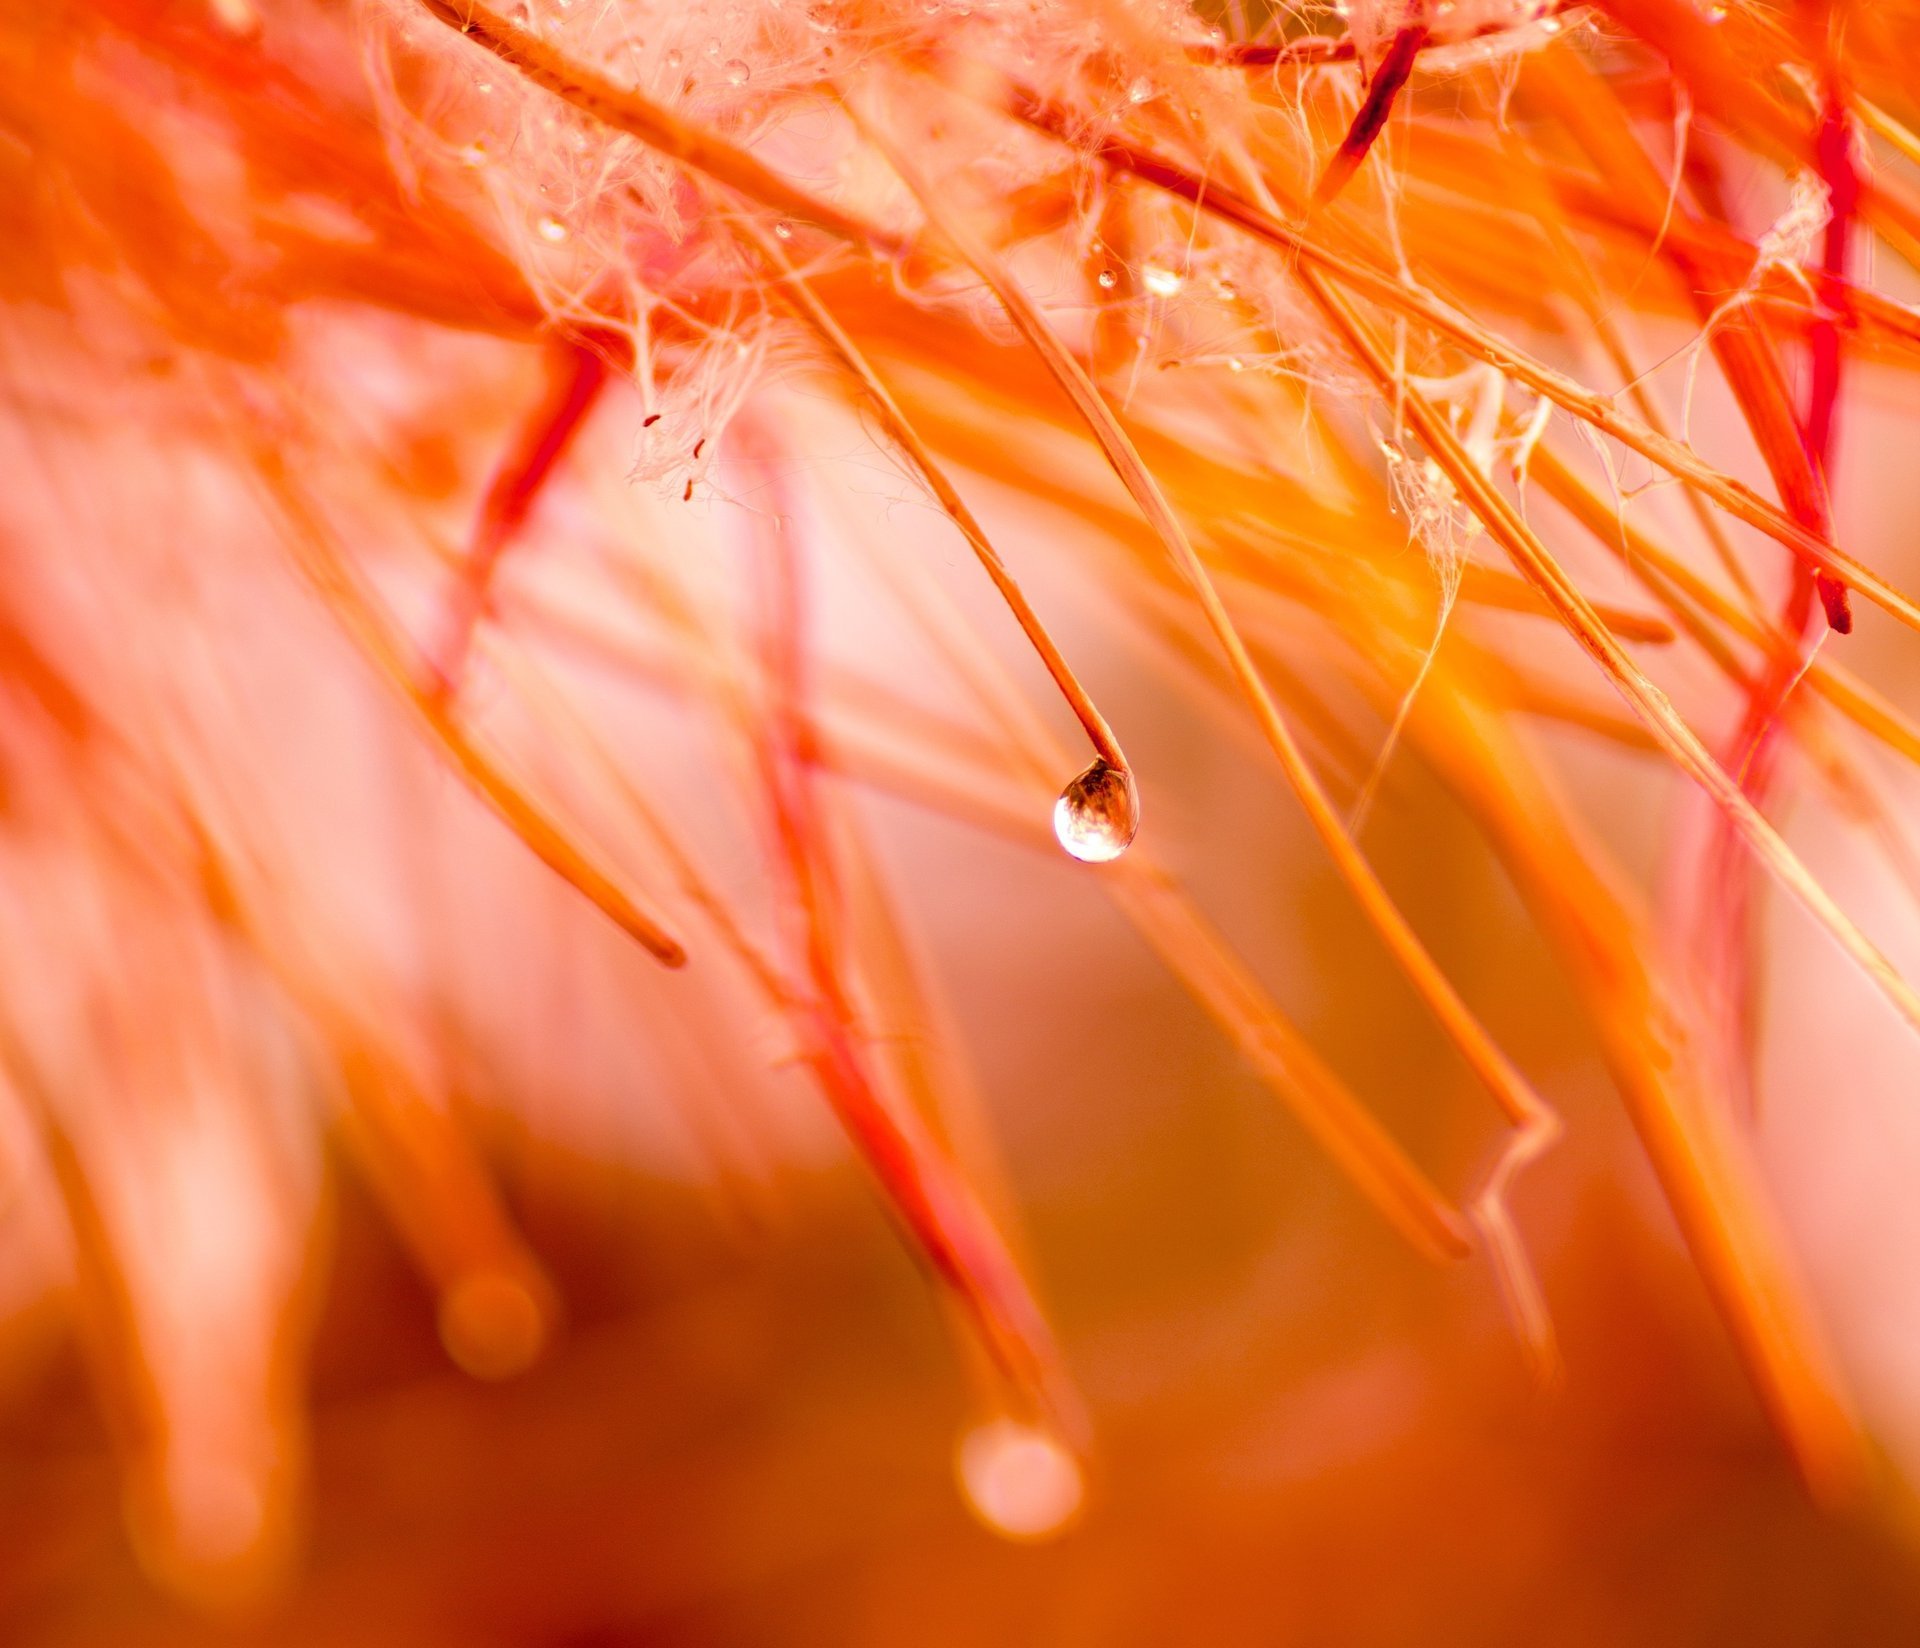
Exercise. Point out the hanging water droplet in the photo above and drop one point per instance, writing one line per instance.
(737, 72)
(1108, 279)
(1098, 814)
(1019, 1480)
(783, 230)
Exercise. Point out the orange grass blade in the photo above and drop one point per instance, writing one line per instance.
(328, 569)
(809, 307)
(1647, 700)
(1206, 965)
(1597, 410)
(1509, 1088)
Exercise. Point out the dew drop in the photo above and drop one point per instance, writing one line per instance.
(1018, 1480)
(1161, 281)
(551, 230)
(783, 230)
(1141, 90)
(737, 72)
(1108, 279)
(1098, 814)
(674, 58)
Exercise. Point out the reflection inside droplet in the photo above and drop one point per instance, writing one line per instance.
(1098, 814)
(1018, 1480)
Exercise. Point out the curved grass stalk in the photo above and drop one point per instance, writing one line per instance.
(1206, 964)
(1679, 740)
(1509, 1089)
(1704, 1165)
(800, 294)
(327, 568)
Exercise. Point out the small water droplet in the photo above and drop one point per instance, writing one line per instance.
(1236, 364)
(737, 72)
(475, 153)
(1018, 1479)
(783, 230)
(1161, 281)
(1098, 814)
(1140, 90)
(1108, 279)
(674, 58)
(551, 230)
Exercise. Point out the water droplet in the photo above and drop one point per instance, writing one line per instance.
(1018, 1480)
(1098, 814)
(783, 230)
(1236, 364)
(475, 153)
(551, 230)
(1108, 279)
(1140, 90)
(674, 58)
(737, 72)
(1160, 281)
